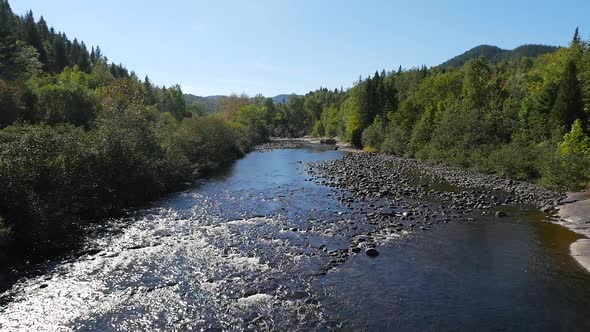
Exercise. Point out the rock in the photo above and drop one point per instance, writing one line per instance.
(89, 252)
(250, 292)
(500, 214)
(356, 250)
(546, 208)
(372, 252)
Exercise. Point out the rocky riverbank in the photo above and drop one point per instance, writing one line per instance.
(280, 143)
(574, 214)
(458, 195)
(399, 196)
(388, 176)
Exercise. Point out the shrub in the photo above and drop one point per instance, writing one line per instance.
(66, 104)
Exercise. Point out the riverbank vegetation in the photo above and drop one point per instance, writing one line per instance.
(524, 118)
(82, 138)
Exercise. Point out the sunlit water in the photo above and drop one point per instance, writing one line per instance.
(248, 247)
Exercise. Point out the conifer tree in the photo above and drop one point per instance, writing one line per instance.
(60, 60)
(568, 104)
(33, 37)
(150, 96)
(84, 63)
(576, 39)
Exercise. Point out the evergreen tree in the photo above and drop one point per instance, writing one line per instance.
(60, 60)
(84, 64)
(576, 40)
(43, 29)
(75, 52)
(98, 56)
(150, 96)
(568, 104)
(33, 37)
(92, 56)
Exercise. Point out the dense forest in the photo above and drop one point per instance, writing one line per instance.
(496, 55)
(82, 138)
(524, 117)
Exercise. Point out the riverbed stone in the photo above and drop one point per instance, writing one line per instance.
(372, 252)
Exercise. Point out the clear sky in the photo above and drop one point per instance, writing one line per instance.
(273, 46)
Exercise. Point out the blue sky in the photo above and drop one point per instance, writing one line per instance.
(272, 47)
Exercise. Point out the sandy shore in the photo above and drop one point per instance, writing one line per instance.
(575, 215)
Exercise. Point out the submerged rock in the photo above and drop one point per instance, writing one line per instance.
(372, 252)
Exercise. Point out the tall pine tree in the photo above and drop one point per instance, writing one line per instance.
(568, 104)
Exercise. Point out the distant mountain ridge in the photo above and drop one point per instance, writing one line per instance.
(494, 54)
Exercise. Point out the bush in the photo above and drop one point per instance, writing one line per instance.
(569, 172)
(518, 160)
(9, 104)
(396, 141)
(67, 104)
(372, 137)
(207, 143)
(44, 182)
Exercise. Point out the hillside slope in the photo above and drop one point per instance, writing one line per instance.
(494, 54)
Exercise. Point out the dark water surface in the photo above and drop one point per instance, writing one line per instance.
(248, 248)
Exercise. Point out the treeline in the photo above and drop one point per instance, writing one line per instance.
(295, 118)
(81, 139)
(526, 118)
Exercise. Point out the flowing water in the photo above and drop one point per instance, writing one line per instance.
(248, 249)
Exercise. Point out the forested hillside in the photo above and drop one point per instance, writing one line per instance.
(524, 118)
(82, 138)
(496, 55)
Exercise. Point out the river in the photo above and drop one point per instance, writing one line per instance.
(257, 246)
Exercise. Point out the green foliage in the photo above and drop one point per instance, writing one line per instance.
(44, 180)
(563, 172)
(82, 138)
(207, 143)
(373, 135)
(568, 104)
(575, 142)
(520, 159)
(254, 118)
(10, 105)
(66, 103)
(497, 55)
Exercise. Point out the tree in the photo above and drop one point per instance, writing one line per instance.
(67, 103)
(576, 39)
(150, 96)
(33, 37)
(84, 61)
(568, 104)
(9, 104)
(575, 142)
(475, 83)
(176, 103)
(60, 60)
